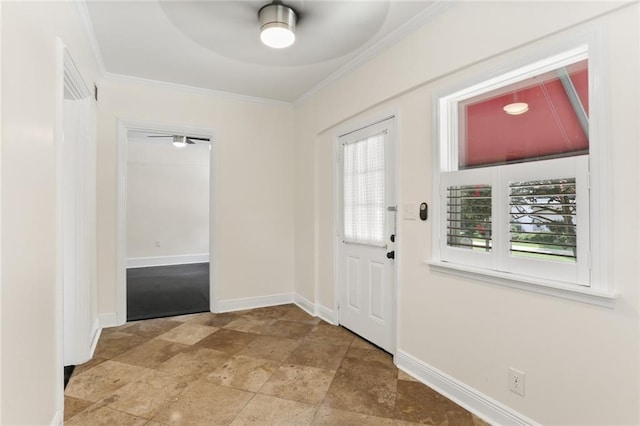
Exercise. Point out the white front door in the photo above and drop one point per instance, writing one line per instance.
(366, 223)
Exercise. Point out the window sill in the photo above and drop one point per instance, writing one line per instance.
(541, 286)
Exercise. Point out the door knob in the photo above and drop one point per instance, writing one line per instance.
(393, 238)
(391, 254)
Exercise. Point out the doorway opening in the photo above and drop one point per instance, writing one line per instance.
(167, 225)
(166, 221)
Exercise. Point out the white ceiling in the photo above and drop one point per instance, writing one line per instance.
(215, 45)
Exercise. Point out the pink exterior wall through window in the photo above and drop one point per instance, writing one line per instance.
(550, 127)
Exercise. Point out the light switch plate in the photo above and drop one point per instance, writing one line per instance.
(410, 212)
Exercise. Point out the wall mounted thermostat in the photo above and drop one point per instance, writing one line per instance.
(424, 211)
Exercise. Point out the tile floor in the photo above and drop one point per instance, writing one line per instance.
(267, 366)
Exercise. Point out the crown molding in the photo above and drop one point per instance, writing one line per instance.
(437, 7)
(120, 78)
(85, 18)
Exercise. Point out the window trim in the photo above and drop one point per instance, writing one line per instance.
(541, 286)
(550, 52)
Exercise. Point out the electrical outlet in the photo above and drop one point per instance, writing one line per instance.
(157, 243)
(516, 381)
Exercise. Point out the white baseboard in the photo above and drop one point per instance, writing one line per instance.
(254, 302)
(95, 336)
(57, 418)
(144, 262)
(326, 314)
(316, 310)
(305, 304)
(107, 320)
(467, 397)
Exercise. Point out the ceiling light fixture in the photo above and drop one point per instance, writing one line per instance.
(277, 25)
(179, 141)
(516, 108)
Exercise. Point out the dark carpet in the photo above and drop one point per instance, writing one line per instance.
(163, 291)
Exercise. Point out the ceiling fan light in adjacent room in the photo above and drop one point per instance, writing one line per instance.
(277, 25)
(179, 141)
(516, 108)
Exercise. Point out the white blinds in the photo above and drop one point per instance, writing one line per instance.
(364, 191)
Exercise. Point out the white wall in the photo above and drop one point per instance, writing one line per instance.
(30, 326)
(254, 149)
(1, 224)
(581, 361)
(167, 199)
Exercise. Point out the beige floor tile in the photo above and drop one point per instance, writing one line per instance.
(268, 410)
(88, 365)
(150, 328)
(297, 314)
(250, 325)
(282, 328)
(73, 406)
(151, 353)
(330, 334)
(115, 343)
(214, 320)
(270, 347)
(373, 358)
(145, 396)
(188, 317)
(404, 376)
(269, 312)
(271, 327)
(421, 404)
(319, 355)
(104, 416)
(108, 330)
(358, 387)
(332, 416)
(299, 383)
(205, 403)
(212, 376)
(98, 382)
(187, 333)
(243, 372)
(194, 363)
(359, 342)
(229, 341)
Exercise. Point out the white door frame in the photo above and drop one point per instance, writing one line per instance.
(76, 179)
(76, 304)
(337, 213)
(124, 126)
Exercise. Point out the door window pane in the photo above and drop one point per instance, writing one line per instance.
(364, 191)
